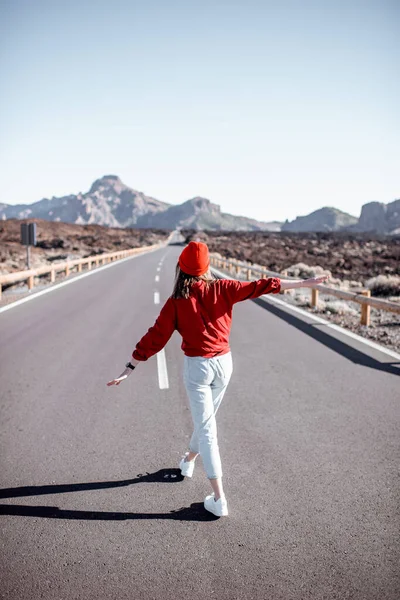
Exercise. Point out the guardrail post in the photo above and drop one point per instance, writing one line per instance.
(52, 276)
(248, 275)
(1, 288)
(89, 265)
(79, 267)
(314, 297)
(30, 282)
(366, 309)
(66, 270)
(284, 273)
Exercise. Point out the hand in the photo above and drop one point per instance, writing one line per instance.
(123, 376)
(312, 281)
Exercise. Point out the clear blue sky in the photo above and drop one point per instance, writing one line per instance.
(271, 109)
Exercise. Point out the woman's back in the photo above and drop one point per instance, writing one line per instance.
(204, 319)
(200, 307)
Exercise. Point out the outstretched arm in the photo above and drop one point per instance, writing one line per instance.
(153, 341)
(125, 374)
(288, 284)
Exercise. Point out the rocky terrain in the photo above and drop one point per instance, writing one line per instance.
(353, 262)
(58, 242)
(348, 256)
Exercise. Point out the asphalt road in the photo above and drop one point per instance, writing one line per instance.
(92, 502)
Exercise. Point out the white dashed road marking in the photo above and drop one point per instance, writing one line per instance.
(156, 298)
(162, 370)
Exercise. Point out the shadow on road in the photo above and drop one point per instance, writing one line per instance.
(312, 329)
(161, 476)
(196, 511)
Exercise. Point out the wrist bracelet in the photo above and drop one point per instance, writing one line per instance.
(130, 365)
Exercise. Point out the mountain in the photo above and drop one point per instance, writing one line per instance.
(199, 213)
(380, 218)
(110, 202)
(323, 219)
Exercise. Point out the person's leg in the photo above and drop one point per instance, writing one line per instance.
(198, 376)
(217, 487)
(223, 372)
(194, 440)
(206, 429)
(191, 456)
(223, 369)
(193, 447)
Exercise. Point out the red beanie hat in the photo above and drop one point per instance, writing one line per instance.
(194, 259)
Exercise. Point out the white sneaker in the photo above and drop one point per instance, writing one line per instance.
(219, 508)
(186, 468)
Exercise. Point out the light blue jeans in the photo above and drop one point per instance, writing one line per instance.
(206, 380)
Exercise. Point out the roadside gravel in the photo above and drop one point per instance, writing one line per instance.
(384, 328)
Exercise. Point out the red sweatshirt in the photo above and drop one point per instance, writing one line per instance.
(204, 319)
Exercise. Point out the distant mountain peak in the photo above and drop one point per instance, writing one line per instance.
(112, 181)
(326, 218)
(199, 202)
(113, 177)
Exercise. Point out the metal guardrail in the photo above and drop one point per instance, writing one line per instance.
(236, 267)
(68, 266)
(233, 267)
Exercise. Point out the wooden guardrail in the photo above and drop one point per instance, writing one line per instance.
(68, 266)
(240, 269)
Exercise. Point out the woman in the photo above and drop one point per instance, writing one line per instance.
(200, 308)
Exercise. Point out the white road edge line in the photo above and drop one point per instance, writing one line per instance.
(355, 336)
(359, 338)
(59, 285)
(162, 370)
(156, 298)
